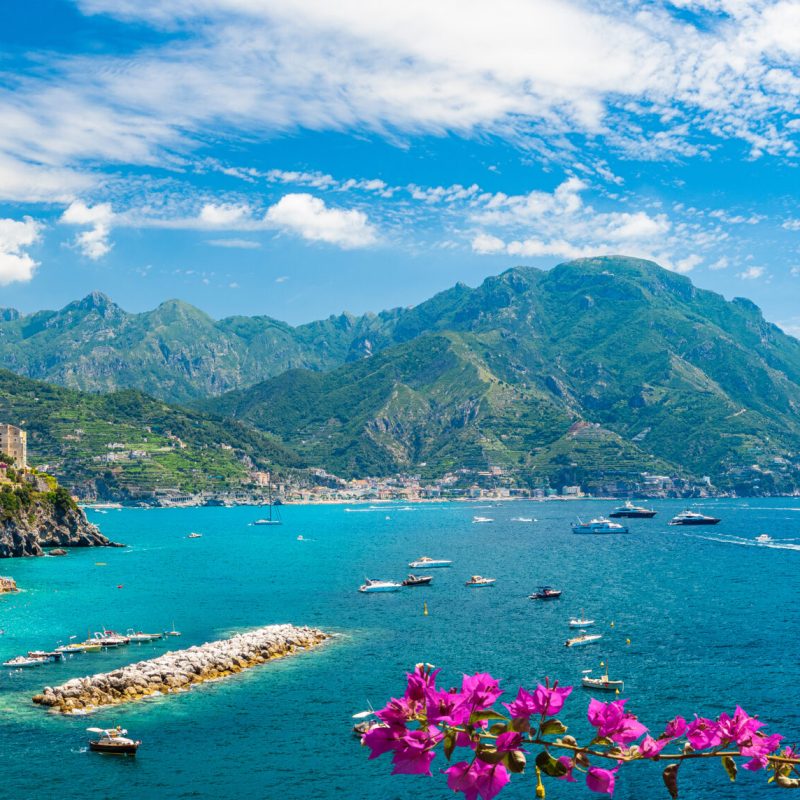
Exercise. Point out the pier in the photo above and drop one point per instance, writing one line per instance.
(177, 671)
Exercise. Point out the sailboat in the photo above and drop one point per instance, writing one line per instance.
(273, 518)
(581, 621)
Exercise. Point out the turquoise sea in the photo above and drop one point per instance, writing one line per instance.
(712, 619)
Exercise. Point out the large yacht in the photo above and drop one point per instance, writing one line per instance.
(693, 518)
(599, 525)
(429, 563)
(630, 511)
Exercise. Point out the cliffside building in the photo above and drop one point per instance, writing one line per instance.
(14, 443)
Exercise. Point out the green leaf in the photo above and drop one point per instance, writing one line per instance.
(490, 755)
(553, 727)
(449, 743)
(498, 728)
(550, 766)
(515, 761)
(480, 716)
(730, 767)
(602, 741)
(670, 776)
(520, 725)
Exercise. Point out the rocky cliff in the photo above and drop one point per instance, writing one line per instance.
(47, 524)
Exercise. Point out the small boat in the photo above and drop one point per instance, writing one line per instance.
(21, 662)
(365, 724)
(602, 684)
(581, 621)
(111, 639)
(113, 741)
(47, 656)
(693, 518)
(173, 632)
(194, 535)
(418, 580)
(630, 511)
(764, 538)
(429, 563)
(140, 636)
(477, 582)
(545, 593)
(584, 638)
(522, 519)
(601, 525)
(379, 586)
(267, 522)
(479, 520)
(273, 518)
(89, 646)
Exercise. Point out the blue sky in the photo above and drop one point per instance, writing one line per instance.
(297, 159)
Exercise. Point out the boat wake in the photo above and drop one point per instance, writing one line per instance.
(779, 544)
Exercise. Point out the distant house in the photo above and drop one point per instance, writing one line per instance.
(14, 443)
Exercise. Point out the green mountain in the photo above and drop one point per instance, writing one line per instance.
(175, 351)
(126, 444)
(609, 365)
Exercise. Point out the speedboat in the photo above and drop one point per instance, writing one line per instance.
(545, 593)
(580, 622)
(764, 538)
(139, 636)
(603, 683)
(599, 525)
(631, 511)
(418, 580)
(194, 535)
(111, 639)
(89, 646)
(478, 520)
(584, 638)
(113, 741)
(522, 519)
(379, 586)
(693, 518)
(429, 563)
(477, 582)
(25, 661)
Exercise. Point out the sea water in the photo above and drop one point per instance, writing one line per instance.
(703, 619)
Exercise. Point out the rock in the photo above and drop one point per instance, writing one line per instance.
(7, 585)
(59, 551)
(177, 671)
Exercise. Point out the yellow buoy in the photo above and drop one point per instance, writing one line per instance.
(627, 641)
(425, 609)
(612, 624)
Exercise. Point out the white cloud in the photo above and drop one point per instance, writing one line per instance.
(223, 215)
(486, 244)
(684, 265)
(309, 217)
(792, 225)
(751, 273)
(240, 244)
(282, 279)
(16, 265)
(93, 243)
(720, 263)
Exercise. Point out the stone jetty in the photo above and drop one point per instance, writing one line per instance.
(179, 670)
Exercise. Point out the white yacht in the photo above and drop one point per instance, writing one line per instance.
(599, 525)
(477, 582)
(480, 520)
(379, 586)
(430, 563)
(584, 638)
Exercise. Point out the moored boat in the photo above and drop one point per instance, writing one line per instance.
(601, 525)
(113, 741)
(585, 638)
(55, 655)
(478, 582)
(110, 639)
(545, 593)
(418, 580)
(693, 518)
(430, 563)
(630, 511)
(480, 520)
(194, 535)
(22, 662)
(581, 621)
(140, 636)
(602, 683)
(379, 586)
(173, 632)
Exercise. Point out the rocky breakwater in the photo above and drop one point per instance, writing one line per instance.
(7, 585)
(44, 520)
(179, 670)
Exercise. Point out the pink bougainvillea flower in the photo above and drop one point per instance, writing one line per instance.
(703, 733)
(545, 700)
(738, 728)
(629, 730)
(381, 740)
(480, 691)
(414, 752)
(570, 765)
(477, 779)
(675, 728)
(650, 747)
(759, 748)
(506, 742)
(606, 717)
(448, 708)
(419, 681)
(397, 712)
(601, 780)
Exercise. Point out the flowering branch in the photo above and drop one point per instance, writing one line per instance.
(412, 728)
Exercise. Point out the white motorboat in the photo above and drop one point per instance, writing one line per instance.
(110, 639)
(584, 638)
(764, 538)
(601, 525)
(430, 563)
(693, 518)
(379, 586)
(21, 662)
(479, 520)
(602, 683)
(522, 519)
(194, 535)
(478, 582)
(113, 740)
(139, 636)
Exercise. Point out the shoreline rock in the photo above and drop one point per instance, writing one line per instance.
(8, 585)
(179, 670)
